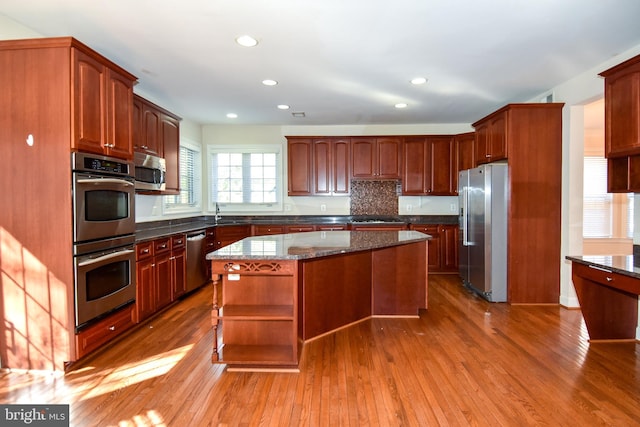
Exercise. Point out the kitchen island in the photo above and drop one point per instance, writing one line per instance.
(608, 288)
(279, 291)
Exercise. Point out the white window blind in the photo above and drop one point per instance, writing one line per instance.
(597, 208)
(189, 198)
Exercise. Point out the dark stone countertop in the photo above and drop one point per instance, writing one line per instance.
(157, 229)
(627, 265)
(313, 244)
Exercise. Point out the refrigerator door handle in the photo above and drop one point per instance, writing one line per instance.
(465, 216)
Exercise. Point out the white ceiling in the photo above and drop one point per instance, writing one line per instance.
(342, 61)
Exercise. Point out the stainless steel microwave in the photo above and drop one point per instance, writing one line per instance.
(150, 172)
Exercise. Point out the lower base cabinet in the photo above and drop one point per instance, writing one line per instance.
(160, 274)
(443, 247)
(105, 330)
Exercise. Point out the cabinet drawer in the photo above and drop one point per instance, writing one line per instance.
(178, 241)
(144, 250)
(161, 245)
(607, 278)
(259, 230)
(104, 331)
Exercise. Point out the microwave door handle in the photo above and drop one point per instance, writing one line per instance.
(104, 257)
(105, 181)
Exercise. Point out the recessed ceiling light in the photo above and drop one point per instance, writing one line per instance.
(418, 81)
(401, 105)
(298, 114)
(246, 41)
(232, 116)
(283, 107)
(269, 82)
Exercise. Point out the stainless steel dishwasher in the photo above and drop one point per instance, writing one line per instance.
(196, 269)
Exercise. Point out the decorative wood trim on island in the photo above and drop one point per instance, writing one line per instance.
(279, 291)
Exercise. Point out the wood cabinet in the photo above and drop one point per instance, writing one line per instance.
(331, 166)
(622, 109)
(623, 174)
(264, 229)
(318, 166)
(160, 274)
(105, 330)
(376, 157)
(299, 166)
(533, 137)
(465, 151)
(45, 100)
(103, 107)
(608, 300)
(156, 132)
(428, 166)
(442, 248)
(259, 308)
(491, 138)
(178, 266)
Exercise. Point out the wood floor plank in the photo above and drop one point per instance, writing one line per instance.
(464, 361)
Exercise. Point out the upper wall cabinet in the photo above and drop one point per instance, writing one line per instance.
(465, 151)
(102, 97)
(622, 108)
(156, 131)
(318, 166)
(490, 141)
(428, 166)
(376, 157)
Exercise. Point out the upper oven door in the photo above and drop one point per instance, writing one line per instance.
(103, 206)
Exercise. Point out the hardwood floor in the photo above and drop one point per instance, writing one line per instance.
(463, 362)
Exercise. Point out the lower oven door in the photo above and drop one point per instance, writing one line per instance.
(105, 281)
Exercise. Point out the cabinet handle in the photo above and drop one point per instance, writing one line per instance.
(487, 156)
(112, 328)
(609, 279)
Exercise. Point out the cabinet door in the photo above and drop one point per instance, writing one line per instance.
(434, 261)
(299, 170)
(622, 112)
(498, 137)
(363, 157)
(465, 151)
(163, 280)
(178, 273)
(170, 133)
(389, 157)
(416, 158)
(341, 167)
(482, 145)
(322, 166)
(151, 131)
(89, 101)
(119, 115)
(441, 166)
(449, 247)
(145, 283)
(136, 132)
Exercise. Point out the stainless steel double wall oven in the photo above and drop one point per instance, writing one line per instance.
(104, 235)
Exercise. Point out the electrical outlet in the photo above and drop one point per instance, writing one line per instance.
(452, 207)
(409, 208)
(287, 207)
(323, 208)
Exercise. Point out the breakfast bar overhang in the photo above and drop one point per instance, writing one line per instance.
(279, 291)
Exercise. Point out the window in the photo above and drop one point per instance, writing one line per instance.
(189, 199)
(605, 215)
(245, 178)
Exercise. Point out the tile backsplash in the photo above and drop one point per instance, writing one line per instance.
(374, 197)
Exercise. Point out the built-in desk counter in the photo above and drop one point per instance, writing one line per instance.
(607, 288)
(279, 291)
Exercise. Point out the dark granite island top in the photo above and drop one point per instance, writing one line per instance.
(627, 265)
(279, 291)
(314, 244)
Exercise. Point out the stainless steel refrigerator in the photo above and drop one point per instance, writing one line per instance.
(483, 230)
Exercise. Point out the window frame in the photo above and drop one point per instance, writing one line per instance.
(276, 206)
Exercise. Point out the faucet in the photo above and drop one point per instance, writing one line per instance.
(217, 217)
